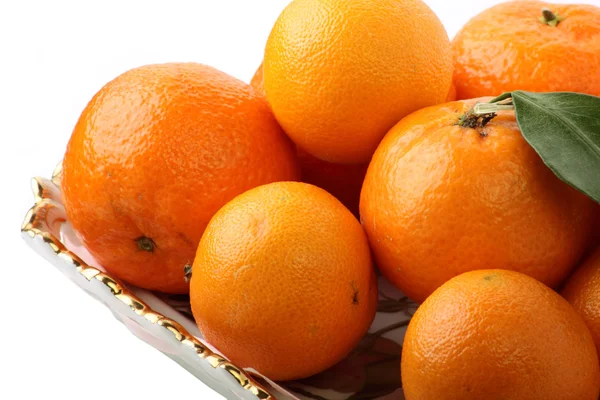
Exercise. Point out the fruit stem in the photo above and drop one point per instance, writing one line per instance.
(491, 108)
(473, 120)
(145, 244)
(549, 18)
(482, 113)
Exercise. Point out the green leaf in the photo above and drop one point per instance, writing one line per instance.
(564, 129)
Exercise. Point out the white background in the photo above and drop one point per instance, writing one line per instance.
(54, 55)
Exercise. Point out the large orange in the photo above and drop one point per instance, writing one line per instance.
(283, 281)
(582, 290)
(498, 334)
(508, 47)
(340, 73)
(440, 199)
(344, 181)
(155, 154)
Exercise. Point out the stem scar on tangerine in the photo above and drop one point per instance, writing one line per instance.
(549, 18)
(145, 244)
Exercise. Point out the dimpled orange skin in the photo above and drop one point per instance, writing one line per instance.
(582, 290)
(339, 74)
(344, 181)
(498, 334)
(155, 154)
(507, 48)
(439, 200)
(283, 281)
(258, 83)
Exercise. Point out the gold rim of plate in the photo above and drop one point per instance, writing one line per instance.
(36, 224)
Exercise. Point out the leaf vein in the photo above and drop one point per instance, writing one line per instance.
(573, 128)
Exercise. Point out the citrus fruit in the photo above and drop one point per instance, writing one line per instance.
(451, 94)
(283, 281)
(517, 46)
(582, 290)
(498, 334)
(441, 198)
(154, 155)
(258, 82)
(344, 181)
(340, 73)
(596, 229)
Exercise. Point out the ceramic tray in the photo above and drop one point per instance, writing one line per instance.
(371, 371)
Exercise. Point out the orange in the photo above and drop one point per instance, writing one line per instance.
(344, 181)
(440, 199)
(283, 281)
(582, 290)
(596, 229)
(508, 47)
(154, 155)
(258, 82)
(451, 94)
(340, 73)
(498, 334)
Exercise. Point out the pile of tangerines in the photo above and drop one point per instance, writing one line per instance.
(346, 156)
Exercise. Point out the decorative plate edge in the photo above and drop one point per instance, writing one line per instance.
(34, 225)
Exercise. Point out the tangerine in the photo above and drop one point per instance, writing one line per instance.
(498, 334)
(154, 155)
(582, 290)
(339, 74)
(441, 198)
(283, 281)
(528, 45)
(344, 181)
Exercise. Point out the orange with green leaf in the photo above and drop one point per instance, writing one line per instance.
(176, 164)
(459, 187)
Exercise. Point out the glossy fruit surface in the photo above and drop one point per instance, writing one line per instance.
(154, 155)
(340, 73)
(508, 48)
(582, 290)
(498, 334)
(344, 181)
(440, 199)
(283, 281)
